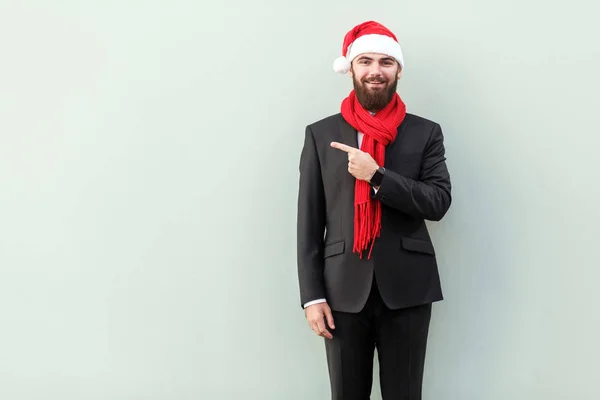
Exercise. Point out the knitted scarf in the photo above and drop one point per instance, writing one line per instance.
(379, 130)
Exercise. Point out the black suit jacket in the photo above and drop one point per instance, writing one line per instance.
(416, 187)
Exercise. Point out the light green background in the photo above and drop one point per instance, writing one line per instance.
(148, 172)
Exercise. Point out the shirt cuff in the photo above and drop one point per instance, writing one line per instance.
(310, 303)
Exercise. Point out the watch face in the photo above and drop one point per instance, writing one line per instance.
(377, 177)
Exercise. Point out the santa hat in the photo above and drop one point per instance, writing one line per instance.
(368, 37)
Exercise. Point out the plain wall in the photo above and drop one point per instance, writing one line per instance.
(149, 168)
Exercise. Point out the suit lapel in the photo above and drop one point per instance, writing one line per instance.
(348, 132)
(348, 182)
(394, 146)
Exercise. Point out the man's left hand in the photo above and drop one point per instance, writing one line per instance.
(360, 164)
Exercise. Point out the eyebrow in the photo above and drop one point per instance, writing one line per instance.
(370, 59)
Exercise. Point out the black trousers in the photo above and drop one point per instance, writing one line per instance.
(400, 337)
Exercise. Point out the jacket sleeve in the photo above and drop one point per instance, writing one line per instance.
(429, 197)
(310, 224)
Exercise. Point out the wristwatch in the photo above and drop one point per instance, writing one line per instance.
(377, 177)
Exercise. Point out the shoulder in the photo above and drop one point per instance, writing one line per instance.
(417, 121)
(419, 127)
(326, 123)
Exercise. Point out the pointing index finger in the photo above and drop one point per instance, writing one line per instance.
(343, 147)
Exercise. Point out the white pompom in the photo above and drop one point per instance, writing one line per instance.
(341, 65)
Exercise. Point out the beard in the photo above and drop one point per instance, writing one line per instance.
(375, 99)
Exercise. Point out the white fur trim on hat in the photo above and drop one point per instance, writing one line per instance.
(341, 65)
(373, 43)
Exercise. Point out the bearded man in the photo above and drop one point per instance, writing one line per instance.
(370, 176)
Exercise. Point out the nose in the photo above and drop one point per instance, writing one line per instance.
(375, 69)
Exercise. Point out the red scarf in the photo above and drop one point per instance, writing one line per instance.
(379, 130)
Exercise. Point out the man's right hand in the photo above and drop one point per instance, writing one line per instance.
(316, 315)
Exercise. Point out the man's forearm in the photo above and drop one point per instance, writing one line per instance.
(430, 196)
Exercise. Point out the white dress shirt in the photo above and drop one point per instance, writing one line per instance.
(310, 303)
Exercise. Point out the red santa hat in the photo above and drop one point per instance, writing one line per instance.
(368, 37)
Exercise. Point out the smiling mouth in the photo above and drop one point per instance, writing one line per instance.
(375, 85)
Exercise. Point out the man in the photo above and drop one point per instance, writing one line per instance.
(369, 178)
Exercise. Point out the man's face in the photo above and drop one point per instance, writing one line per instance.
(375, 78)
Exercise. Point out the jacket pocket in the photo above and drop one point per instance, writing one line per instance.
(418, 245)
(333, 249)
